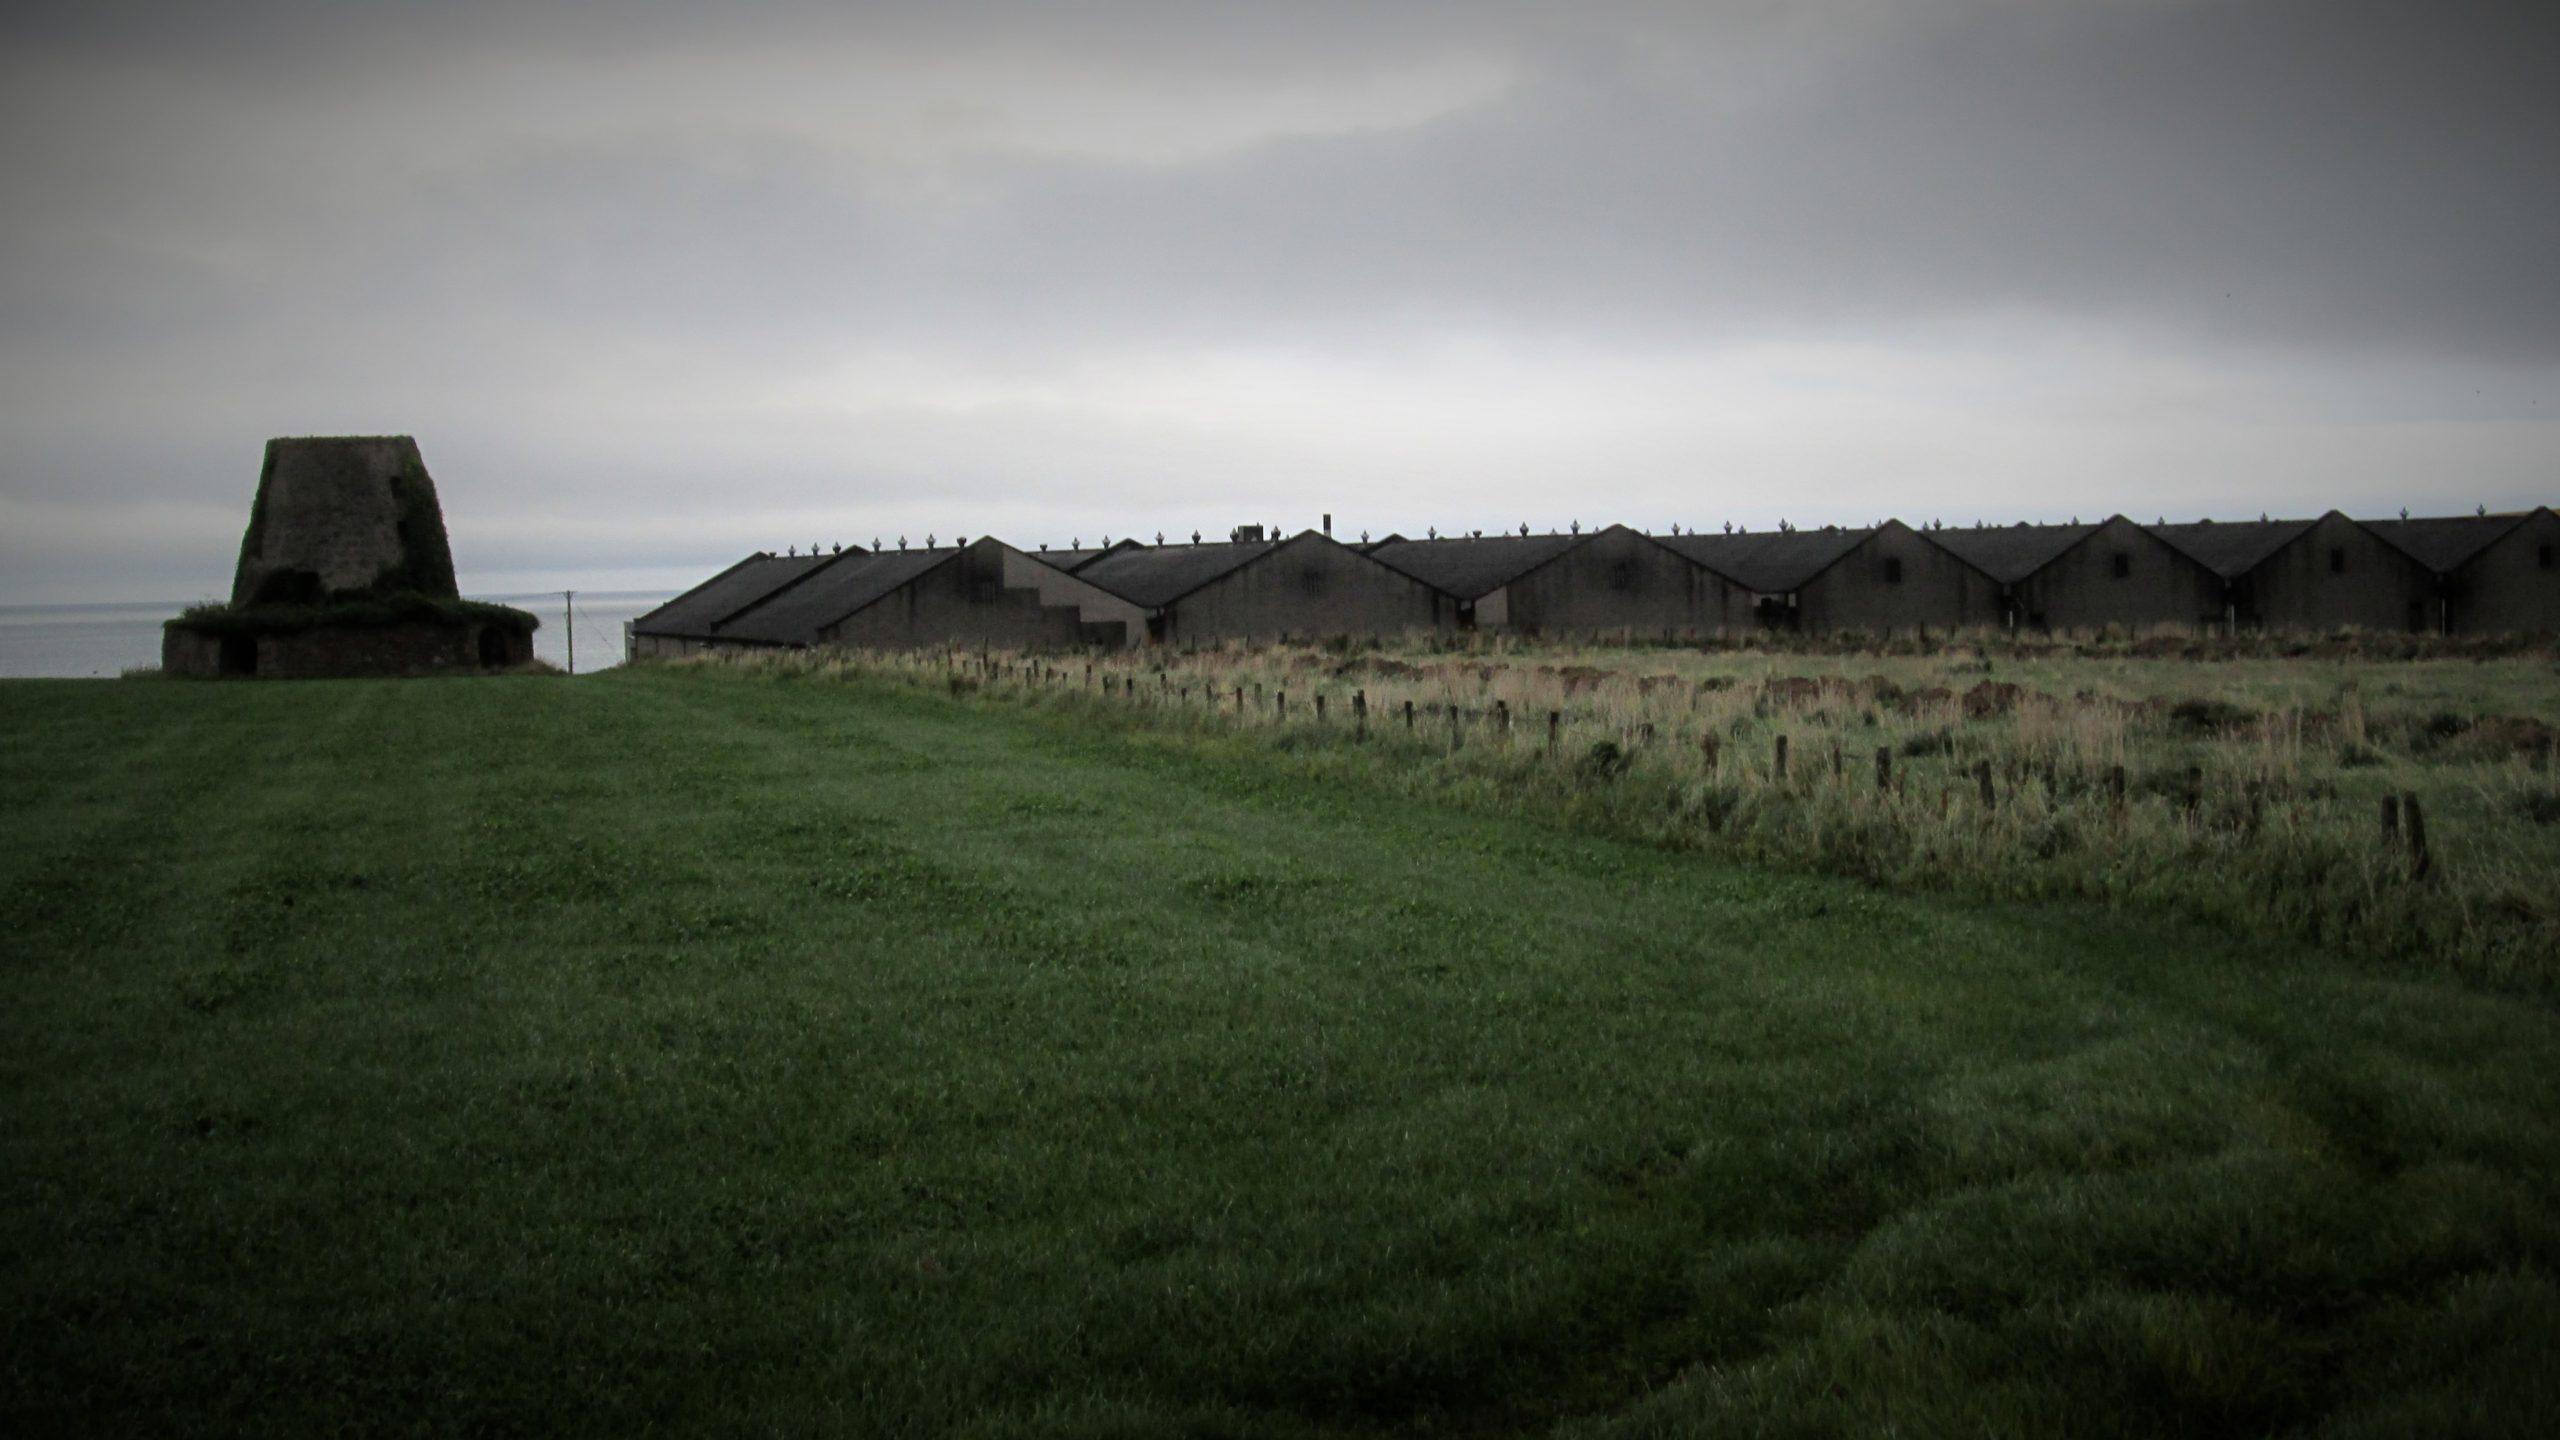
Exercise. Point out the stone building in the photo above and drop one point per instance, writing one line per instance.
(687, 624)
(1474, 570)
(2086, 577)
(2312, 575)
(2495, 574)
(1881, 581)
(982, 594)
(345, 570)
(1611, 582)
(1309, 587)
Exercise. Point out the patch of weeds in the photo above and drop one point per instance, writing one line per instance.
(1245, 887)
(1605, 761)
(1716, 805)
(218, 987)
(2197, 715)
(868, 873)
(1927, 742)
(1041, 939)
(2540, 804)
(1039, 807)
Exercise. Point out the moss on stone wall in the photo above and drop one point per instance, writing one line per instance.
(371, 610)
(426, 556)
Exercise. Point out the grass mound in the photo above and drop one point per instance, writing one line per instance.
(682, 1050)
(366, 611)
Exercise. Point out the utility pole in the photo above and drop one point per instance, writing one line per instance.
(569, 619)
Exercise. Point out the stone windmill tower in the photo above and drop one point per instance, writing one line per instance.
(345, 570)
(340, 516)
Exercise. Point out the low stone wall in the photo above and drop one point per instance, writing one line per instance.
(327, 651)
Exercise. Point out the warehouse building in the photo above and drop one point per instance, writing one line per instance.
(1881, 580)
(2314, 575)
(686, 624)
(1308, 587)
(2087, 577)
(1612, 582)
(2495, 574)
(2480, 574)
(986, 593)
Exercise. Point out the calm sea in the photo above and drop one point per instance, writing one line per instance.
(81, 641)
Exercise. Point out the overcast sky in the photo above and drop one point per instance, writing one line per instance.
(656, 285)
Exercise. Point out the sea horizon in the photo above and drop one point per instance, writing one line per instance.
(105, 639)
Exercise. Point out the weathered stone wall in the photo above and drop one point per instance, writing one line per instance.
(1935, 589)
(965, 603)
(645, 646)
(190, 654)
(343, 515)
(1620, 582)
(329, 651)
(1095, 605)
(1308, 588)
(2337, 575)
(2161, 585)
(2512, 586)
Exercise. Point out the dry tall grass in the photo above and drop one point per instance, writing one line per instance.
(2243, 801)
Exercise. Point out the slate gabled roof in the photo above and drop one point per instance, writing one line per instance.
(826, 595)
(2231, 548)
(2009, 553)
(2442, 543)
(1770, 562)
(1471, 568)
(1157, 575)
(694, 612)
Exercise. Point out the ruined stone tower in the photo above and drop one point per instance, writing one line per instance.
(339, 516)
(345, 570)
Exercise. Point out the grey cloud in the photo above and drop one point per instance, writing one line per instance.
(286, 238)
(2317, 175)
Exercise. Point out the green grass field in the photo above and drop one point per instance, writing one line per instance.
(701, 1051)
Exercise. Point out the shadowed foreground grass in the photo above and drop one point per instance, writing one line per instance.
(720, 1052)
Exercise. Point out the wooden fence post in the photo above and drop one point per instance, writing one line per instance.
(1319, 707)
(1502, 718)
(2195, 787)
(1360, 714)
(2115, 788)
(1555, 723)
(1780, 761)
(2419, 860)
(1982, 777)
(2390, 822)
(1408, 717)
(1884, 767)
(1711, 750)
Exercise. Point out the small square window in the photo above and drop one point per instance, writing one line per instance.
(2123, 566)
(2337, 560)
(1893, 570)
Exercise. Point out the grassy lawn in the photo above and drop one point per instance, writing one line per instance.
(721, 1052)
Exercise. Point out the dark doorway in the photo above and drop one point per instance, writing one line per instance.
(493, 648)
(239, 655)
